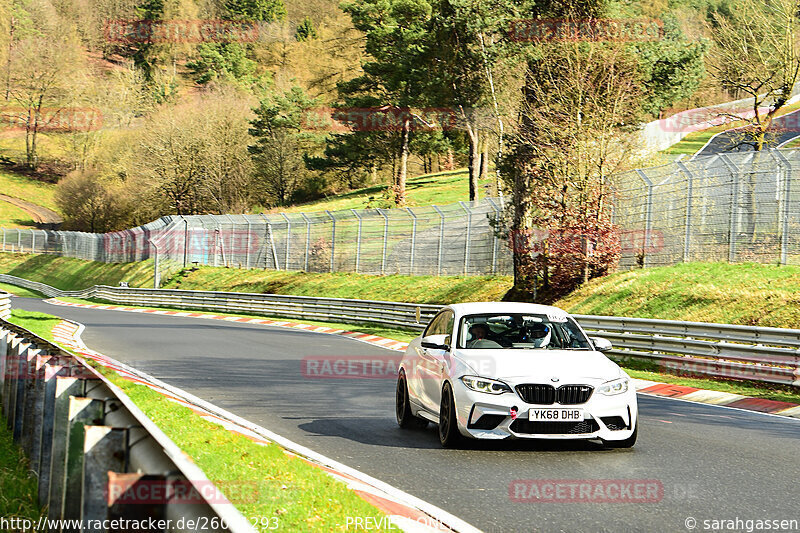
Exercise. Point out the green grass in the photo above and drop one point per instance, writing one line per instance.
(74, 274)
(12, 216)
(746, 293)
(18, 486)
(396, 288)
(26, 188)
(19, 291)
(67, 274)
(438, 188)
(262, 481)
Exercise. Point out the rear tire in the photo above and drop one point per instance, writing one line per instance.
(627, 443)
(405, 419)
(449, 435)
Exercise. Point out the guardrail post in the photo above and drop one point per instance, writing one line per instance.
(413, 239)
(43, 465)
(101, 454)
(333, 238)
(82, 412)
(385, 240)
(648, 221)
(358, 239)
(66, 387)
(469, 236)
(734, 214)
(689, 198)
(308, 240)
(288, 240)
(441, 241)
(784, 215)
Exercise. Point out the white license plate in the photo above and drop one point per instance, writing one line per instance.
(555, 415)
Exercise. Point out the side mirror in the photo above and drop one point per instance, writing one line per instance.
(436, 342)
(601, 344)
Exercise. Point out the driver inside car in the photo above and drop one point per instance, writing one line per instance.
(537, 334)
(478, 334)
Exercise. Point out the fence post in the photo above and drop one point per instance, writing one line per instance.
(648, 221)
(787, 182)
(358, 239)
(689, 197)
(734, 207)
(441, 241)
(185, 241)
(385, 237)
(494, 234)
(272, 246)
(413, 239)
(308, 239)
(469, 236)
(333, 236)
(288, 240)
(33, 242)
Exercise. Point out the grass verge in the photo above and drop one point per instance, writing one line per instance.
(74, 274)
(29, 189)
(20, 291)
(12, 216)
(746, 293)
(269, 487)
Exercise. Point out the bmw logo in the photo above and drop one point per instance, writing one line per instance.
(554, 380)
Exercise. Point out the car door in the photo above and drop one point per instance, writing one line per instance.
(435, 362)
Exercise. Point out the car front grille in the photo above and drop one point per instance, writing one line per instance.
(538, 394)
(554, 428)
(541, 394)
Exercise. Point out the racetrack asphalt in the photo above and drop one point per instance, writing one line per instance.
(783, 129)
(713, 462)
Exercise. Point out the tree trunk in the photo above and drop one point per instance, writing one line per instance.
(400, 185)
(474, 162)
(485, 160)
(450, 163)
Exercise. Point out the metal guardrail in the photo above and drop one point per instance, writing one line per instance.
(5, 305)
(720, 350)
(97, 456)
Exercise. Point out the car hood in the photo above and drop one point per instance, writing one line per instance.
(540, 364)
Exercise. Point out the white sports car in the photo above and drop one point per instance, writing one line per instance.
(496, 370)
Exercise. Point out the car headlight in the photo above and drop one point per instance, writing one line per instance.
(489, 386)
(616, 386)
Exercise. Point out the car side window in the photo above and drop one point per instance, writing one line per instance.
(442, 324)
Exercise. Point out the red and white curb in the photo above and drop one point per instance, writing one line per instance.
(404, 511)
(653, 388)
(375, 340)
(725, 399)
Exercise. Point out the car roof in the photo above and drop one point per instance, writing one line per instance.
(474, 308)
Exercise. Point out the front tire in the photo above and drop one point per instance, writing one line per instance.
(449, 435)
(627, 443)
(405, 419)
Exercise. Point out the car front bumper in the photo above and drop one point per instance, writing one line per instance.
(503, 416)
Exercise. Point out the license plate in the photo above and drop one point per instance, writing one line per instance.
(555, 415)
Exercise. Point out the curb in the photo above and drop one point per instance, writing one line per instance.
(375, 340)
(403, 510)
(652, 388)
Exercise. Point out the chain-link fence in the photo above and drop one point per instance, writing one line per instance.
(727, 207)
(455, 239)
(734, 207)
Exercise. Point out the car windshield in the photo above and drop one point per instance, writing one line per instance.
(521, 331)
